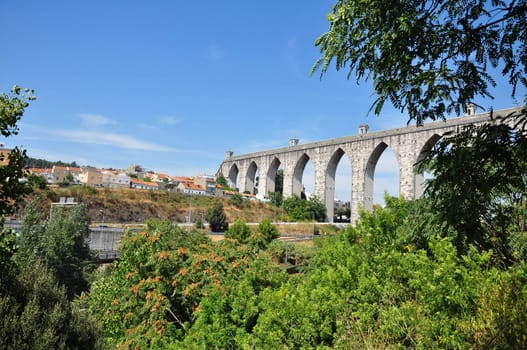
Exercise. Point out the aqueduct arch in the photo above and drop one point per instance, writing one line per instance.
(409, 144)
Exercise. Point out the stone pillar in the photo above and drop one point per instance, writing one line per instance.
(289, 169)
(407, 151)
(242, 175)
(358, 190)
(324, 185)
(263, 181)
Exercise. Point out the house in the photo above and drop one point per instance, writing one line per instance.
(208, 182)
(191, 188)
(143, 185)
(61, 174)
(91, 176)
(115, 179)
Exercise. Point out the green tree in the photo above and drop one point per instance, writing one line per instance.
(33, 234)
(264, 234)
(36, 314)
(35, 311)
(479, 183)
(429, 58)
(239, 231)
(222, 181)
(12, 107)
(237, 200)
(37, 181)
(304, 209)
(279, 181)
(66, 251)
(276, 198)
(152, 296)
(217, 218)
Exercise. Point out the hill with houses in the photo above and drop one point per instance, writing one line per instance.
(133, 195)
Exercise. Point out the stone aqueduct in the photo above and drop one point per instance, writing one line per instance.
(409, 144)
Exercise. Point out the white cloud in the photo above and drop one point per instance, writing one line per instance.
(110, 139)
(169, 120)
(95, 120)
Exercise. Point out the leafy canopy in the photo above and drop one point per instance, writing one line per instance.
(430, 58)
(12, 107)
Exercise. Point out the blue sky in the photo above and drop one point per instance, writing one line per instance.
(172, 85)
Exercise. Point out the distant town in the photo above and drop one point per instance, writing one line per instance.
(135, 177)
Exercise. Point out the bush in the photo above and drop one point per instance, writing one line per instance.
(239, 231)
(217, 218)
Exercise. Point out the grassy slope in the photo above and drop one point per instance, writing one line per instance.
(136, 206)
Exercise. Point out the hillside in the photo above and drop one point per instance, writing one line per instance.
(127, 206)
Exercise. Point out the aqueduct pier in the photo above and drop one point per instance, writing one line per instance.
(410, 144)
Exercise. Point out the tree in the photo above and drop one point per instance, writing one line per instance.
(237, 200)
(12, 107)
(480, 184)
(238, 231)
(66, 251)
(264, 234)
(35, 311)
(217, 218)
(276, 198)
(222, 181)
(152, 296)
(304, 209)
(37, 181)
(36, 314)
(430, 58)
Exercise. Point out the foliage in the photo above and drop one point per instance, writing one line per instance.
(276, 198)
(427, 57)
(36, 314)
(153, 295)
(304, 209)
(237, 200)
(67, 252)
(60, 244)
(198, 224)
(238, 231)
(8, 247)
(368, 289)
(42, 163)
(33, 234)
(228, 314)
(279, 181)
(36, 181)
(222, 181)
(264, 234)
(217, 218)
(12, 107)
(480, 184)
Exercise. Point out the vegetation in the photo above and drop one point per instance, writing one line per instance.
(12, 107)
(35, 310)
(216, 218)
(370, 287)
(42, 163)
(428, 58)
(300, 209)
(447, 271)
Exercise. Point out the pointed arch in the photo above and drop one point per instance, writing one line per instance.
(330, 173)
(420, 177)
(271, 175)
(298, 173)
(232, 178)
(250, 178)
